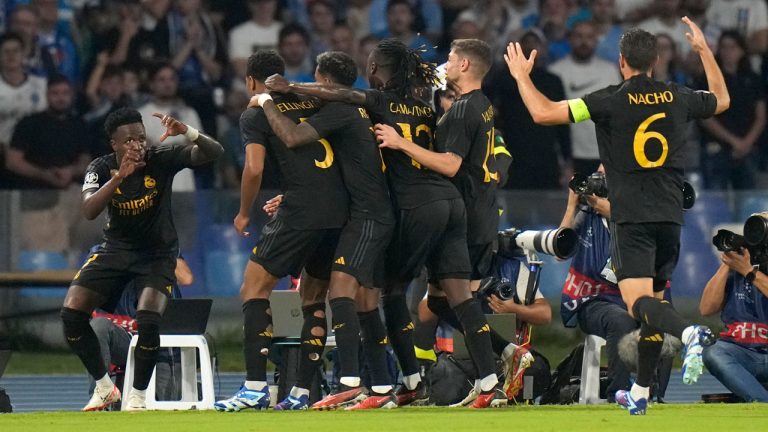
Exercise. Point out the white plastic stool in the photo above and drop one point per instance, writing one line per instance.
(189, 397)
(589, 392)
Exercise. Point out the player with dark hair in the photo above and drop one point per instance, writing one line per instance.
(430, 214)
(464, 147)
(641, 127)
(363, 240)
(303, 233)
(140, 242)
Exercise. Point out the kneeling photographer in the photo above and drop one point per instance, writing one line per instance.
(739, 292)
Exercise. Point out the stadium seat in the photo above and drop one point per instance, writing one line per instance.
(589, 392)
(30, 260)
(223, 237)
(190, 400)
(224, 271)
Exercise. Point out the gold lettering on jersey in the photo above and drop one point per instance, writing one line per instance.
(414, 111)
(135, 207)
(363, 113)
(650, 98)
(293, 106)
(488, 115)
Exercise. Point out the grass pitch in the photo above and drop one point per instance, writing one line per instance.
(679, 418)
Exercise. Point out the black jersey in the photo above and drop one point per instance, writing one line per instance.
(640, 126)
(314, 196)
(348, 128)
(413, 185)
(467, 131)
(139, 215)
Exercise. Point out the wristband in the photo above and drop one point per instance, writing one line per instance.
(750, 277)
(264, 97)
(192, 133)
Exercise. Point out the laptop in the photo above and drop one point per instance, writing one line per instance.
(186, 316)
(503, 324)
(287, 318)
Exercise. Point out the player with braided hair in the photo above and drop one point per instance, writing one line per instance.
(431, 217)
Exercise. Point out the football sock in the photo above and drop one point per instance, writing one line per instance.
(381, 389)
(257, 338)
(350, 382)
(489, 383)
(313, 336)
(498, 342)
(424, 337)
(255, 385)
(400, 331)
(639, 392)
(477, 336)
(648, 351)
(346, 328)
(298, 392)
(147, 347)
(659, 314)
(104, 382)
(374, 338)
(140, 393)
(440, 307)
(82, 339)
(412, 381)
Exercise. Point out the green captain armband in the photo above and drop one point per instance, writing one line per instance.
(579, 110)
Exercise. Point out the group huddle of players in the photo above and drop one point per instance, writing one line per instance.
(375, 188)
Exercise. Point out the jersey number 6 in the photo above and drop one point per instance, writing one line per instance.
(641, 139)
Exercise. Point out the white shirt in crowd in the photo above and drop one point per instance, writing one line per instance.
(185, 179)
(677, 32)
(18, 102)
(248, 37)
(579, 79)
(727, 14)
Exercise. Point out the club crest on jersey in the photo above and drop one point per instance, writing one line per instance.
(149, 182)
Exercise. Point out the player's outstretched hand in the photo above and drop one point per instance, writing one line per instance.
(132, 160)
(695, 36)
(173, 127)
(518, 65)
(278, 83)
(241, 223)
(270, 208)
(388, 137)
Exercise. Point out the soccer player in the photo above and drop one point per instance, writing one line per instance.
(140, 242)
(303, 233)
(363, 240)
(640, 126)
(430, 214)
(464, 152)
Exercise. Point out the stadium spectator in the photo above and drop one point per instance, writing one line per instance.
(428, 17)
(748, 17)
(582, 72)
(49, 151)
(132, 86)
(232, 161)
(400, 22)
(666, 19)
(739, 292)
(20, 93)
(25, 23)
(608, 30)
(503, 20)
(553, 20)
(730, 138)
(358, 17)
(260, 32)
(539, 152)
(57, 39)
(293, 47)
(163, 83)
(468, 25)
(343, 39)
(322, 21)
(667, 67)
(105, 92)
(364, 48)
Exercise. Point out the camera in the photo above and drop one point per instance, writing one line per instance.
(560, 242)
(755, 238)
(595, 184)
(501, 288)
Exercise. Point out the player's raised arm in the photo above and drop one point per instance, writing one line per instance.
(205, 149)
(326, 92)
(291, 134)
(715, 79)
(542, 110)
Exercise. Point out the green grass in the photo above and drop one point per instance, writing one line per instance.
(677, 418)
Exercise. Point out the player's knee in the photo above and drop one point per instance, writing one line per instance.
(438, 305)
(148, 326)
(75, 324)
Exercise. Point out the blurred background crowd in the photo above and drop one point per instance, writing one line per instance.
(66, 64)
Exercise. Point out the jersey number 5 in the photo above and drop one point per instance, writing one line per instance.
(328, 161)
(641, 139)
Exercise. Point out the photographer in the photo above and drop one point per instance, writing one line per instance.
(591, 297)
(738, 291)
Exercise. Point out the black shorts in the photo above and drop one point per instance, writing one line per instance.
(433, 235)
(645, 250)
(284, 251)
(481, 258)
(108, 271)
(361, 249)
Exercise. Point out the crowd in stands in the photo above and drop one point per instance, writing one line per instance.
(66, 64)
